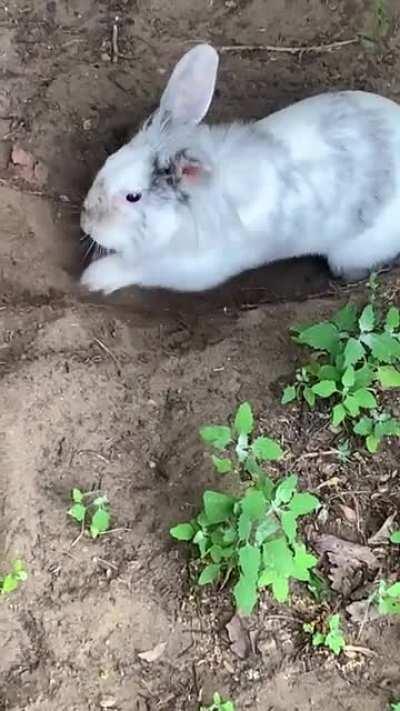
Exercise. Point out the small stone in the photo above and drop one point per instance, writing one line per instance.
(105, 57)
(87, 124)
(107, 702)
(19, 156)
(41, 173)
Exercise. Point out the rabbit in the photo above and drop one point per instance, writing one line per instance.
(186, 206)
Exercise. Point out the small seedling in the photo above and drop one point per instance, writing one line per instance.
(12, 580)
(93, 516)
(387, 598)
(252, 537)
(395, 706)
(242, 451)
(218, 704)
(356, 356)
(332, 637)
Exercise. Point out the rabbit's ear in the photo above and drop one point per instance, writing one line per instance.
(188, 94)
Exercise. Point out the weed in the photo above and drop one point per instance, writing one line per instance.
(395, 537)
(356, 356)
(253, 536)
(94, 516)
(12, 580)
(246, 452)
(387, 598)
(331, 637)
(395, 706)
(218, 704)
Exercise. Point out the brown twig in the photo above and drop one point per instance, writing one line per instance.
(110, 353)
(114, 41)
(288, 50)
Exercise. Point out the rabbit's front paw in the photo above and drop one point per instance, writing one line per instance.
(107, 274)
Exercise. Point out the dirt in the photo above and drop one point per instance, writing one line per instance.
(109, 393)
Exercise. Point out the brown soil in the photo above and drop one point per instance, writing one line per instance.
(109, 393)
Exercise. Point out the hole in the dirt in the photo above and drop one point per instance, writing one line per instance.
(288, 280)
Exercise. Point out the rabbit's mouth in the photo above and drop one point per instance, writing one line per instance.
(92, 250)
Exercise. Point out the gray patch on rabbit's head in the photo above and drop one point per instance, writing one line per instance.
(166, 179)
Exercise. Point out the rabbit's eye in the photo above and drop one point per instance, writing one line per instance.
(133, 197)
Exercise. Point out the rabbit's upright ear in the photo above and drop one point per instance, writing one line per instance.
(188, 94)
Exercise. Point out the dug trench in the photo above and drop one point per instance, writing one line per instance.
(109, 393)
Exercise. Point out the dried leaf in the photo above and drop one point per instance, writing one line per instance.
(238, 636)
(346, 559)
(362, 612)
(382, 535)
(348, 513)
(153, 654)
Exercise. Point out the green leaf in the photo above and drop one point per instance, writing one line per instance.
(100, 522)
(277, 555)
(267, 528)
(349, 377)
(388, 428)
(289, 394)
(353, 352)
(303, 562)
(182, 532)
(367, 319)
(216, 553)
(364, 376)
(253, 504)
(289, 525)
(201, 541)
(372, 443)
(280, 588)
(392, 321)
(302, 504)
(335, 642)
(325, 388)
(321, 336)
(393, 590)
(244, 420)
(210, 574)
(245, 593)
(351, 405)
(346, 318)
(218, 436)
(395, 537)
(365, 399)
(309, 396)
(363, 427)
(217, 507)
(266, 449)
(338, 415)
(389, 376)
(78, 512)
(328, 372)
(318, 639)
(9, 584)
(384, 347)
(250, 561)
(244, 527)
(223, 466)
(285, 490)
(77, 496)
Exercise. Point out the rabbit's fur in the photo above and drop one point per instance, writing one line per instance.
(186, 206)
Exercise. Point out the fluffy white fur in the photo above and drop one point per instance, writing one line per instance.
(320, 177)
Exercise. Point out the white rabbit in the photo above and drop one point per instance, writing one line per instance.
(186, 206)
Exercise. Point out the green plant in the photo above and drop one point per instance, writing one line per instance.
(218, 704)
(395, 706)
(16, 576)
(387, 598)
(93, 516)
(395, 537)
(356, 355)
(252, 537)
(331, 637)
(242, 451)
